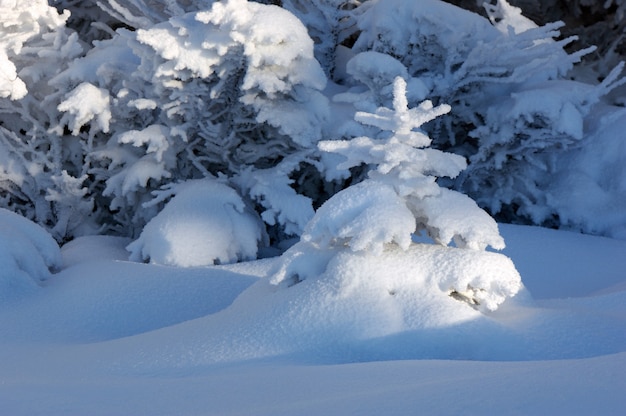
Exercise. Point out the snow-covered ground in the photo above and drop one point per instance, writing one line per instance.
(108, 337)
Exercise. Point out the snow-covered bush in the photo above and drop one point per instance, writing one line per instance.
(514, 110)
(206, 222)
(177, 90)
(41, 175)
(28, 254)
(401, 197)
(96, 20)
(224, 90)
(464, 59)
(588, 187)
(525, 139)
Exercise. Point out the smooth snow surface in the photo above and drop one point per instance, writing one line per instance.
(109, 337)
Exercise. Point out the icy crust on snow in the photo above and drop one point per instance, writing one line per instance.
(206, 222)
(28, 254)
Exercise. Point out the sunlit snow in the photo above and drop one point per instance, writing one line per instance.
(105, 336)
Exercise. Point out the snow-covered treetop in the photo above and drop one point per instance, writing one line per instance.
(401, 159)
(401, 195)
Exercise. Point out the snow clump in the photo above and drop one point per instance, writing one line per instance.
(28, 254)
(205, 223)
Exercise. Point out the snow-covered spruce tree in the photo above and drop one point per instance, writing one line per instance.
(463, 58)
(41, 175)
(223, 92)
(493, 72)
(380, 215)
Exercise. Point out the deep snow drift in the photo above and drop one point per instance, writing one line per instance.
(105, 336)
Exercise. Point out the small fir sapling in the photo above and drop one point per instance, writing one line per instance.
(399, 198)
(404, 162)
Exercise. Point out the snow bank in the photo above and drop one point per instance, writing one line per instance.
(561, 264)
(28, 254)
(337, 306)
(205, 223)
(94, 248)
(352, 306)
(171, 332)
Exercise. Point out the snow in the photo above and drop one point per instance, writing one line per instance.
(588, 190)
(506, 17)
(206, 222)
(360, 316)
(365, 216)
(154, 136)
(10, 85)
(106, 336)
(84, 104)
(27, 254)
(453, 216)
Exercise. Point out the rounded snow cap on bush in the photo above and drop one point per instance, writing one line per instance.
(205, 223)
(28, 253)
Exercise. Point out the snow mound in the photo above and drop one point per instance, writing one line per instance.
(352, 306)
(426, 272)
(28, 254)
(206, 222)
